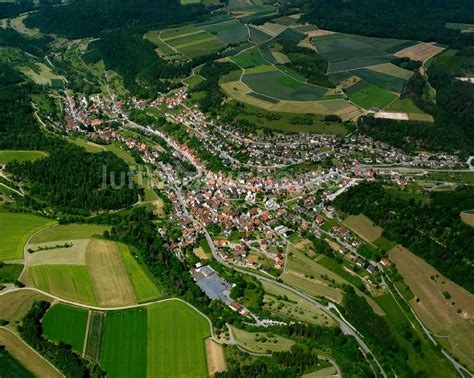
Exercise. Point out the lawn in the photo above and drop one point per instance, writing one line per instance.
(124, 349)
(16, 229)
(67, 324)
(176, 334)
(68, 232)
(369, 96)
(7, 156)
(145, 289)
(65, 281)
(11, 367)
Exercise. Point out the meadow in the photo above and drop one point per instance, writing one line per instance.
(7, 156)
(68, 232)
(369, 96)
(10, 272)
(364, 227)
(67, 324)
(261, 342)
(11, 367)
(406, 105)
(249, 58)
(16, 229)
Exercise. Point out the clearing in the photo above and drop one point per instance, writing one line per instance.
(364, 227)
(7, 156)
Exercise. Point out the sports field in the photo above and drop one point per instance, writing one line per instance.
(7, 156)
(16, 229)
(66, 323)
(164, 339)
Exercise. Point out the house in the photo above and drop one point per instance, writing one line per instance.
(359, 262)
(372, 269)
(320, 220)
(385, 262)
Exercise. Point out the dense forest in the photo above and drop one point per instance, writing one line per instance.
(422, 20)
(75, 181)
(60, 355)
(433, 231)
(35, 46)
(10, 9)
(86, 18)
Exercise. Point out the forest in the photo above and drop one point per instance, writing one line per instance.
(433, 231)
(87, 18)
(422, 20)
(60, 355)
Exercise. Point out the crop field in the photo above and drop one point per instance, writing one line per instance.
(66, 323)
(443, 306)
(7, 156)
(230, 31)
(388, 82)
(406, 105)
(11, 367)
(260, 69)
(162, 49)
(109, 277)
(24, 355)
(95, 334)
(465, 28)
(356, 63)
(259, 36)
(249, 58)
(295, 308)
(261, 342)
(191, 41)
(392, 70)
(68, 232)
(364, 227)
(145, 289)
(369, 96)
(55, 253)
(65, 281)
(283, 87)
(16, 229)
(164, 339)
(284, 20)
(9, 273)
(421, 52)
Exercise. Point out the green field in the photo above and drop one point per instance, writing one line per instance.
(124, 350)
(258, 36)
(193, 42)
(65, 281)
(193, 80)
(68, 232)
(382, 80)
(67, 324)
(10, 367)
(230, 31)
(144, 288)
(162, 340)
(369, 96)
(249, 58)
(7, 156)
(16, 229)
(406, 105)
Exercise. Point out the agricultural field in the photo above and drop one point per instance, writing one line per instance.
(67, 324)
(288, 305)
(261, 342)
(464, 28)
(364, 227)
(408, 107)
(444, 307)
(28, 362)
(41, 74)
(230, 31)
(468, 217)
(193, 80)
(68, 232)
(249, 58)
(369, 96)
(191, 42)
(420, 52)
(16, 229)
(164, 339)
(9, 272)
(6, 156)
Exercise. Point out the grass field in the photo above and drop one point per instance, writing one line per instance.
(95, 335)
(14, 305)
(364, 227)
(7, 156)
(194, 80)
(406, 105)
(191, 41)
(65, 281)
(261, 342)
(16, 229)
(66, 323)
(468, 218)
(88, 146)
(369, 96)
(164, 339)
(11, 367)
(294, 307)
(380, 79)
(249, 58)
(145, 289)
(68, 232)
(447, 318)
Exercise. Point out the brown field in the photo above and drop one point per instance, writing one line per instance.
(273, 29)
(363, 227)
(215, 357)
(421, 52)
(468, 219)
(14, 305)
(319, 33)
(306, 42)
(199, 252)
(27, 356)
(109, 277)
(451, 319)
(75, 255)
